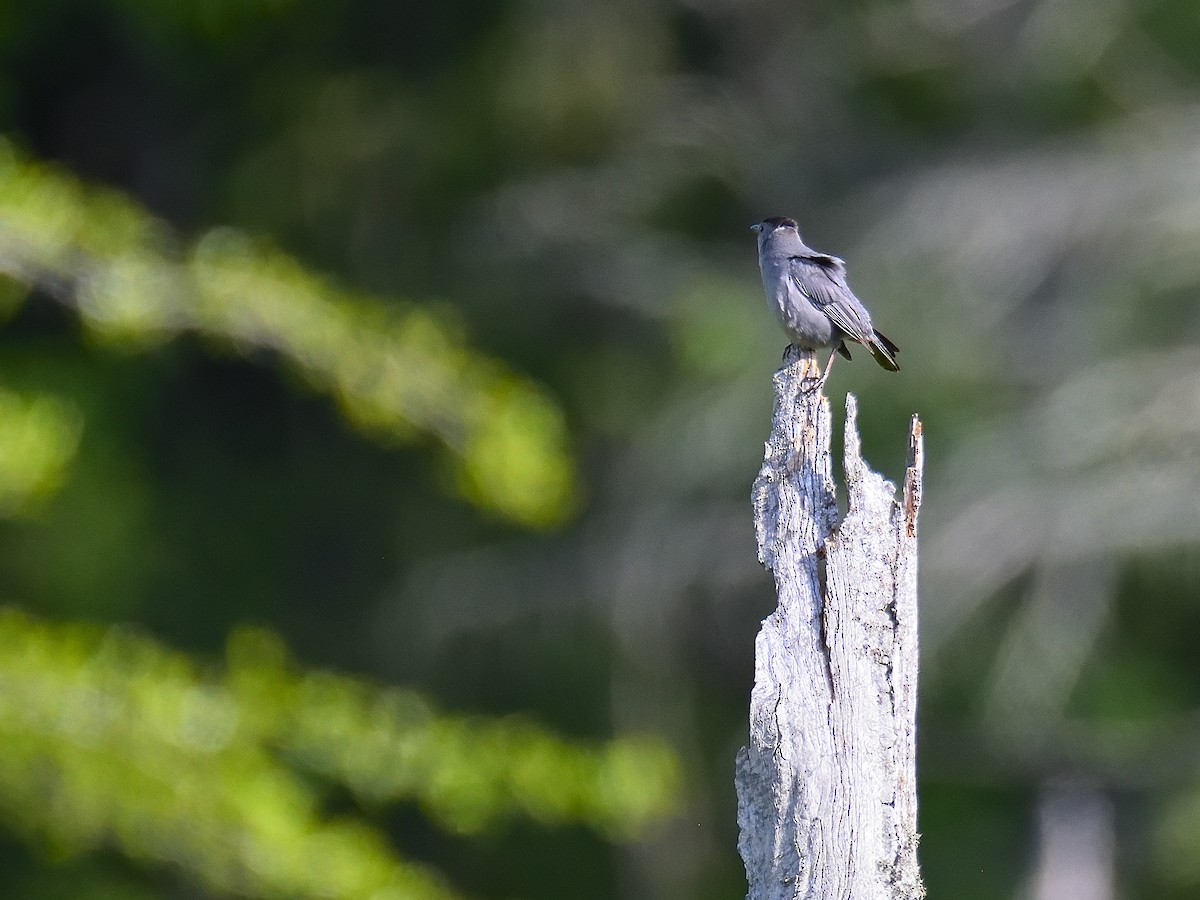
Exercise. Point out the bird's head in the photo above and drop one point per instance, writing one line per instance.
(777, 227)
(767, 227)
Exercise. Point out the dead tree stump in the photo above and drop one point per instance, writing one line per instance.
(827, 786)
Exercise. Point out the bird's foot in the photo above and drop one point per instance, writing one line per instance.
(812, 383)
(809, 383)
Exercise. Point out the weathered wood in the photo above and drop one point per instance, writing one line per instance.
(827, 786)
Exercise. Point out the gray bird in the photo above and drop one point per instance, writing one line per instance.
(808, 292)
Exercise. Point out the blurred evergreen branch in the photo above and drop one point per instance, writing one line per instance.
(396, 371)
(111, 740)
(40, 437)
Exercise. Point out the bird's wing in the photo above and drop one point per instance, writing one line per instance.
(822, 280)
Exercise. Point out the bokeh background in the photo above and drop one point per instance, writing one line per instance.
(381, 384)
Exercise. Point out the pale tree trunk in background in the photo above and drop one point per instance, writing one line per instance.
(1076, 843)
(827, 786)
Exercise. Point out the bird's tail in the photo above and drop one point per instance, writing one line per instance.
(884, 352)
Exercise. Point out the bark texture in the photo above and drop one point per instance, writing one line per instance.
(827, 786)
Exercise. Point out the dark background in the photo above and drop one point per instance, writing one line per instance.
(1016, 188)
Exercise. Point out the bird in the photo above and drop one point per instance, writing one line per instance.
(808, 292)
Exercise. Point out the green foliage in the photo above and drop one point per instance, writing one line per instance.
(38, 437)
(396, 370)
(111, 740)
(1175, 838)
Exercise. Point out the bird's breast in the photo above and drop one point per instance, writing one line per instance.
(805, 325)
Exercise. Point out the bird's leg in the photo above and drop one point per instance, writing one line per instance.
(829, 364)
(793, 354)
(815, 383)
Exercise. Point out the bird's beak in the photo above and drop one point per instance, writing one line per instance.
(756, 227)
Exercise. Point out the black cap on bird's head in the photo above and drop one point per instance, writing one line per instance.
(770, 224)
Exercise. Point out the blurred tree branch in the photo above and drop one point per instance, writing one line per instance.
(110, 740)
(396, 371)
